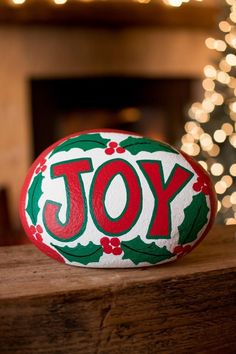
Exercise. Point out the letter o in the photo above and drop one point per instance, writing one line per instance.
(103, 177)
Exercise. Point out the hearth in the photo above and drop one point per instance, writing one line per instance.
(149, 106)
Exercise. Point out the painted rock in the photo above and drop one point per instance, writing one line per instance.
(116, 199)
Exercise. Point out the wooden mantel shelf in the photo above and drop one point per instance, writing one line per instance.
(184, 307)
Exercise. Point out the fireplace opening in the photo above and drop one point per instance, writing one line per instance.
(154, 107)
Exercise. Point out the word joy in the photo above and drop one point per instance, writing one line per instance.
(78, 206)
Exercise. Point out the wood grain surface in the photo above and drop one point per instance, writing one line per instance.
(185, 307)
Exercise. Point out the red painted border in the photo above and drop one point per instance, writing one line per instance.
(212, 195)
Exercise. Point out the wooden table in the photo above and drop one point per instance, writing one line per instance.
(185, 307)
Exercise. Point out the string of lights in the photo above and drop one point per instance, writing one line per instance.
(211, 132)
(175, 3)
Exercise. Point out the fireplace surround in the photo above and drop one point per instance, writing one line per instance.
(149, 106)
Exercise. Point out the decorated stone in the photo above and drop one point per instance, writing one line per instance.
(115, 199)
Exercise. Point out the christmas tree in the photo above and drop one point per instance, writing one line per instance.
(211, 130)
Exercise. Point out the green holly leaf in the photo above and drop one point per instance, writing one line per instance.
(34, 194)
(195, 219)
(136, 145)
(81, 254)
(84, 142)
(138, 251)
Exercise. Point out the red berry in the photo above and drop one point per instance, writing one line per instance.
(115, 242)
(38, 169)
(39, 229)
(32, 229)
(117, 251)
(104, 241)
(113, 144)
(109, 151)
(197, 187)
(43, 168)
(120, 150)
(38, 237)
(205, 190)
(178, 249)
(107, 249)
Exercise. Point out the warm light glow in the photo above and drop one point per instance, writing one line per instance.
(228, 180)
(230, 2)
(18, 2)
(143, 1)
(207, 105)
(224, 66)
(218, 205)
(208, 94)
(205, 140)
(175, 3)
(187, 138)
(233, 16)
(210, 43)
(217, 99)
(232, 82)
(233, 198)
(217, 169)
(223, 183)
(231, 59)
(226, 201)
(231, 39)
(208, 84)
(189, 126)
(196, 150)
(191, 149)
(219, 136)
(194, 130)
(220, 45)
(201, 116)
(223, 77)
(207, 147)
(228, 128)
(233, 107)
(224, 26)
(232, 140)
(60, 2)
(232, 170)
(220, 187)
(210, 71)
(230, 221)
(214, 151)
(197, 132)
(198, 113)
(232, 115)
(196, 107)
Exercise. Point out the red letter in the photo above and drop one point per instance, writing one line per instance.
(76, 202)
(102, 179)
(163, 193)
